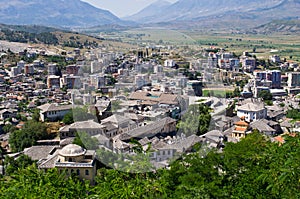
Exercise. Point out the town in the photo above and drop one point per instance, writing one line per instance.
(83, 109)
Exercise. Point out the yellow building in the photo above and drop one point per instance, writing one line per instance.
(241, 128)
(73, 159)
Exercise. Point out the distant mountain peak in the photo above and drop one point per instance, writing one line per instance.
(157, 6)
(54, 13)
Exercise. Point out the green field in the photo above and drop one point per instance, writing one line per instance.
(262, 46)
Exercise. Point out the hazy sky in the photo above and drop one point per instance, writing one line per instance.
(122, 8)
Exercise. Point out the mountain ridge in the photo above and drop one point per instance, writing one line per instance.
(238, 12)
(59, 13)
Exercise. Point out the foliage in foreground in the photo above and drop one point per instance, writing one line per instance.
(252, 168)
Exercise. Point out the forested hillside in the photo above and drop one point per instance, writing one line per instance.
(252, 168)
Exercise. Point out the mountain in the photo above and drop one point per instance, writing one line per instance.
(149, 12)
(282, 26)
(63, 13)
(224, 12)
(36, 34)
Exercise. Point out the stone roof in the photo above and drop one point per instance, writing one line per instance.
(269, 122)
(252, 107)
(54, 107)
(213, 135)
(261, 126)
(39, 152)
(116, 119)
(149, 130)
(48, 163)
(89, 124)
(286, 124)
(72, 150)
(134, 116)
(100, 137)
(184, 144)
(162, 98)
(66, 141)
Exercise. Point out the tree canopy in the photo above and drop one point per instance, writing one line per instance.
(28, 135)
(196, 120)
(255, 167)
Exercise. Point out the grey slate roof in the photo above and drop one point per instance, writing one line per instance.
(184, 144)
(252, 107)
(54, 107)
(261, 126)
(149, 130)
(39, 152)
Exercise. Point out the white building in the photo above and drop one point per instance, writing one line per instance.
(169, 63)
(275, 58)
(53, 112)
(252, 111)
(141, 80)
(293, 79)
(52, 69)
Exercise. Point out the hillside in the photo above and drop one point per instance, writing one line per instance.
(54, 13)
(149, 12)
(46, 35)
(281, 26)
(220, 13)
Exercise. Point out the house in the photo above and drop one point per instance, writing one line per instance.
(252, 111)
(38, 153)
(263, 127)
(172, 148)
(241, 129)
(8, 113)
(163, 127)
(53, 112)
(117, 124)
(72, 159)
(103, 141)
(90, 127)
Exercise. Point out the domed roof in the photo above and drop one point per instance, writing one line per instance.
(72, 150)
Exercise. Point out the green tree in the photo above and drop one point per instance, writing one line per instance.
(14, 165)
(36, 115)
(68, 118)
(196, 120)
(266, 95)
(34, 183)
(84, 140)
(28, 135)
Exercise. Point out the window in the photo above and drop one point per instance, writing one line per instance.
(70, 159)
(86, 172)
(72, 170)
(78, 172)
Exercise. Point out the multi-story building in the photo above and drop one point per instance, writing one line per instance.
(70, 81)
(293, 79)
(248, 64)
(273, 76)
(98, 80)
(194, 88)
(52, 69)
(169, 63)
(53, 81)
(72, 69)
(252, 111)
(28, 69)
(141, 80)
